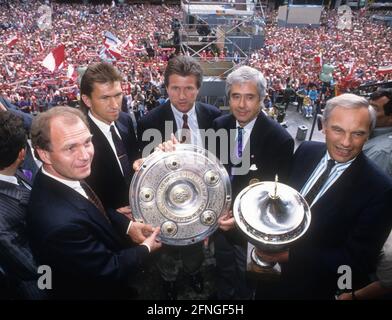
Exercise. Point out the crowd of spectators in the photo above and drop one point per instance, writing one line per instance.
(81, 29)
(294, 56)
(291, 60)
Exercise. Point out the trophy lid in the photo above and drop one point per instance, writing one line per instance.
(271, 213)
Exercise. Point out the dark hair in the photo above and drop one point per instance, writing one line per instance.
(40, 129)
(184, 66)
(12, 138)
(102, 72)
(383, 93)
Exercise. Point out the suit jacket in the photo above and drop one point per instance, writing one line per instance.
(90, 257)
(270, 148)
(349, 225)
(29, 162)
(106, 178)
(157, 117)
(16, 258)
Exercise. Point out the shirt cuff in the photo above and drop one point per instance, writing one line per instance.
(129, 226)
(148, 247)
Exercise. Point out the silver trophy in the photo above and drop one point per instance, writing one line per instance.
(272, 215)
(183, 191)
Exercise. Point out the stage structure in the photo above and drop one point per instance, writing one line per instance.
(221, 34)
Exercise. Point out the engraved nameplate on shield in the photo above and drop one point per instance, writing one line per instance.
(184, 192)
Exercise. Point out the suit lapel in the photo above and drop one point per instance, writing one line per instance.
(102, 146)
(203, 119)
(254, 142)
(300, 177)
(168, 115)
(338, 190)
(124, 133)
(83, 205)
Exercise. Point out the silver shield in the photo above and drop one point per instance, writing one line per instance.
(184, 192)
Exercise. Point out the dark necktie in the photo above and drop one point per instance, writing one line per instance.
(93, 198)
(239, 141)
(121, 154)
(185, 131)
(313, 192)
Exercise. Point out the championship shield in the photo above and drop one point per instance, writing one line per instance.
(184, 192)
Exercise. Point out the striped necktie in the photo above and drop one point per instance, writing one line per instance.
(315, 189)
(93, 198)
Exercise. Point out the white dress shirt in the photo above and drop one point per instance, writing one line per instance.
(334, 175)
(245, 133)
(105, 129)
(192, 123)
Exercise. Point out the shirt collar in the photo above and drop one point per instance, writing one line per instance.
(328, 157)
(248, 127)
(74, 184)
(10, 179)
(104, 127)
(179, 114)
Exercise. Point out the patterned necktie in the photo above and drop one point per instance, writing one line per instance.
(239, 141)
(93, 198)
(121, 154)
(185, 131)
(314, 191)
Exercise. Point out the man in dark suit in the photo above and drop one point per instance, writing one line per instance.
(350, 200)
(29, 164)
(87, 247)
(114, 138)
(16, 258)
(183, 79)
(262, 149)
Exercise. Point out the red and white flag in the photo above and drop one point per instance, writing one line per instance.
(55, 58)
(318, 60)
(384, 69)
(115, 52)
(71, 73)
(11, 41)
(111, 40)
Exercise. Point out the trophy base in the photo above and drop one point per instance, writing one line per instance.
(261, 269)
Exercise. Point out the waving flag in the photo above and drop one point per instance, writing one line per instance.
(115, 52)
(384, 69)
(55, 58)
(72, 73)
(11, 41)
(111, 40)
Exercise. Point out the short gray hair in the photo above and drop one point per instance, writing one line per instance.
(244, 74)
(350, 101)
